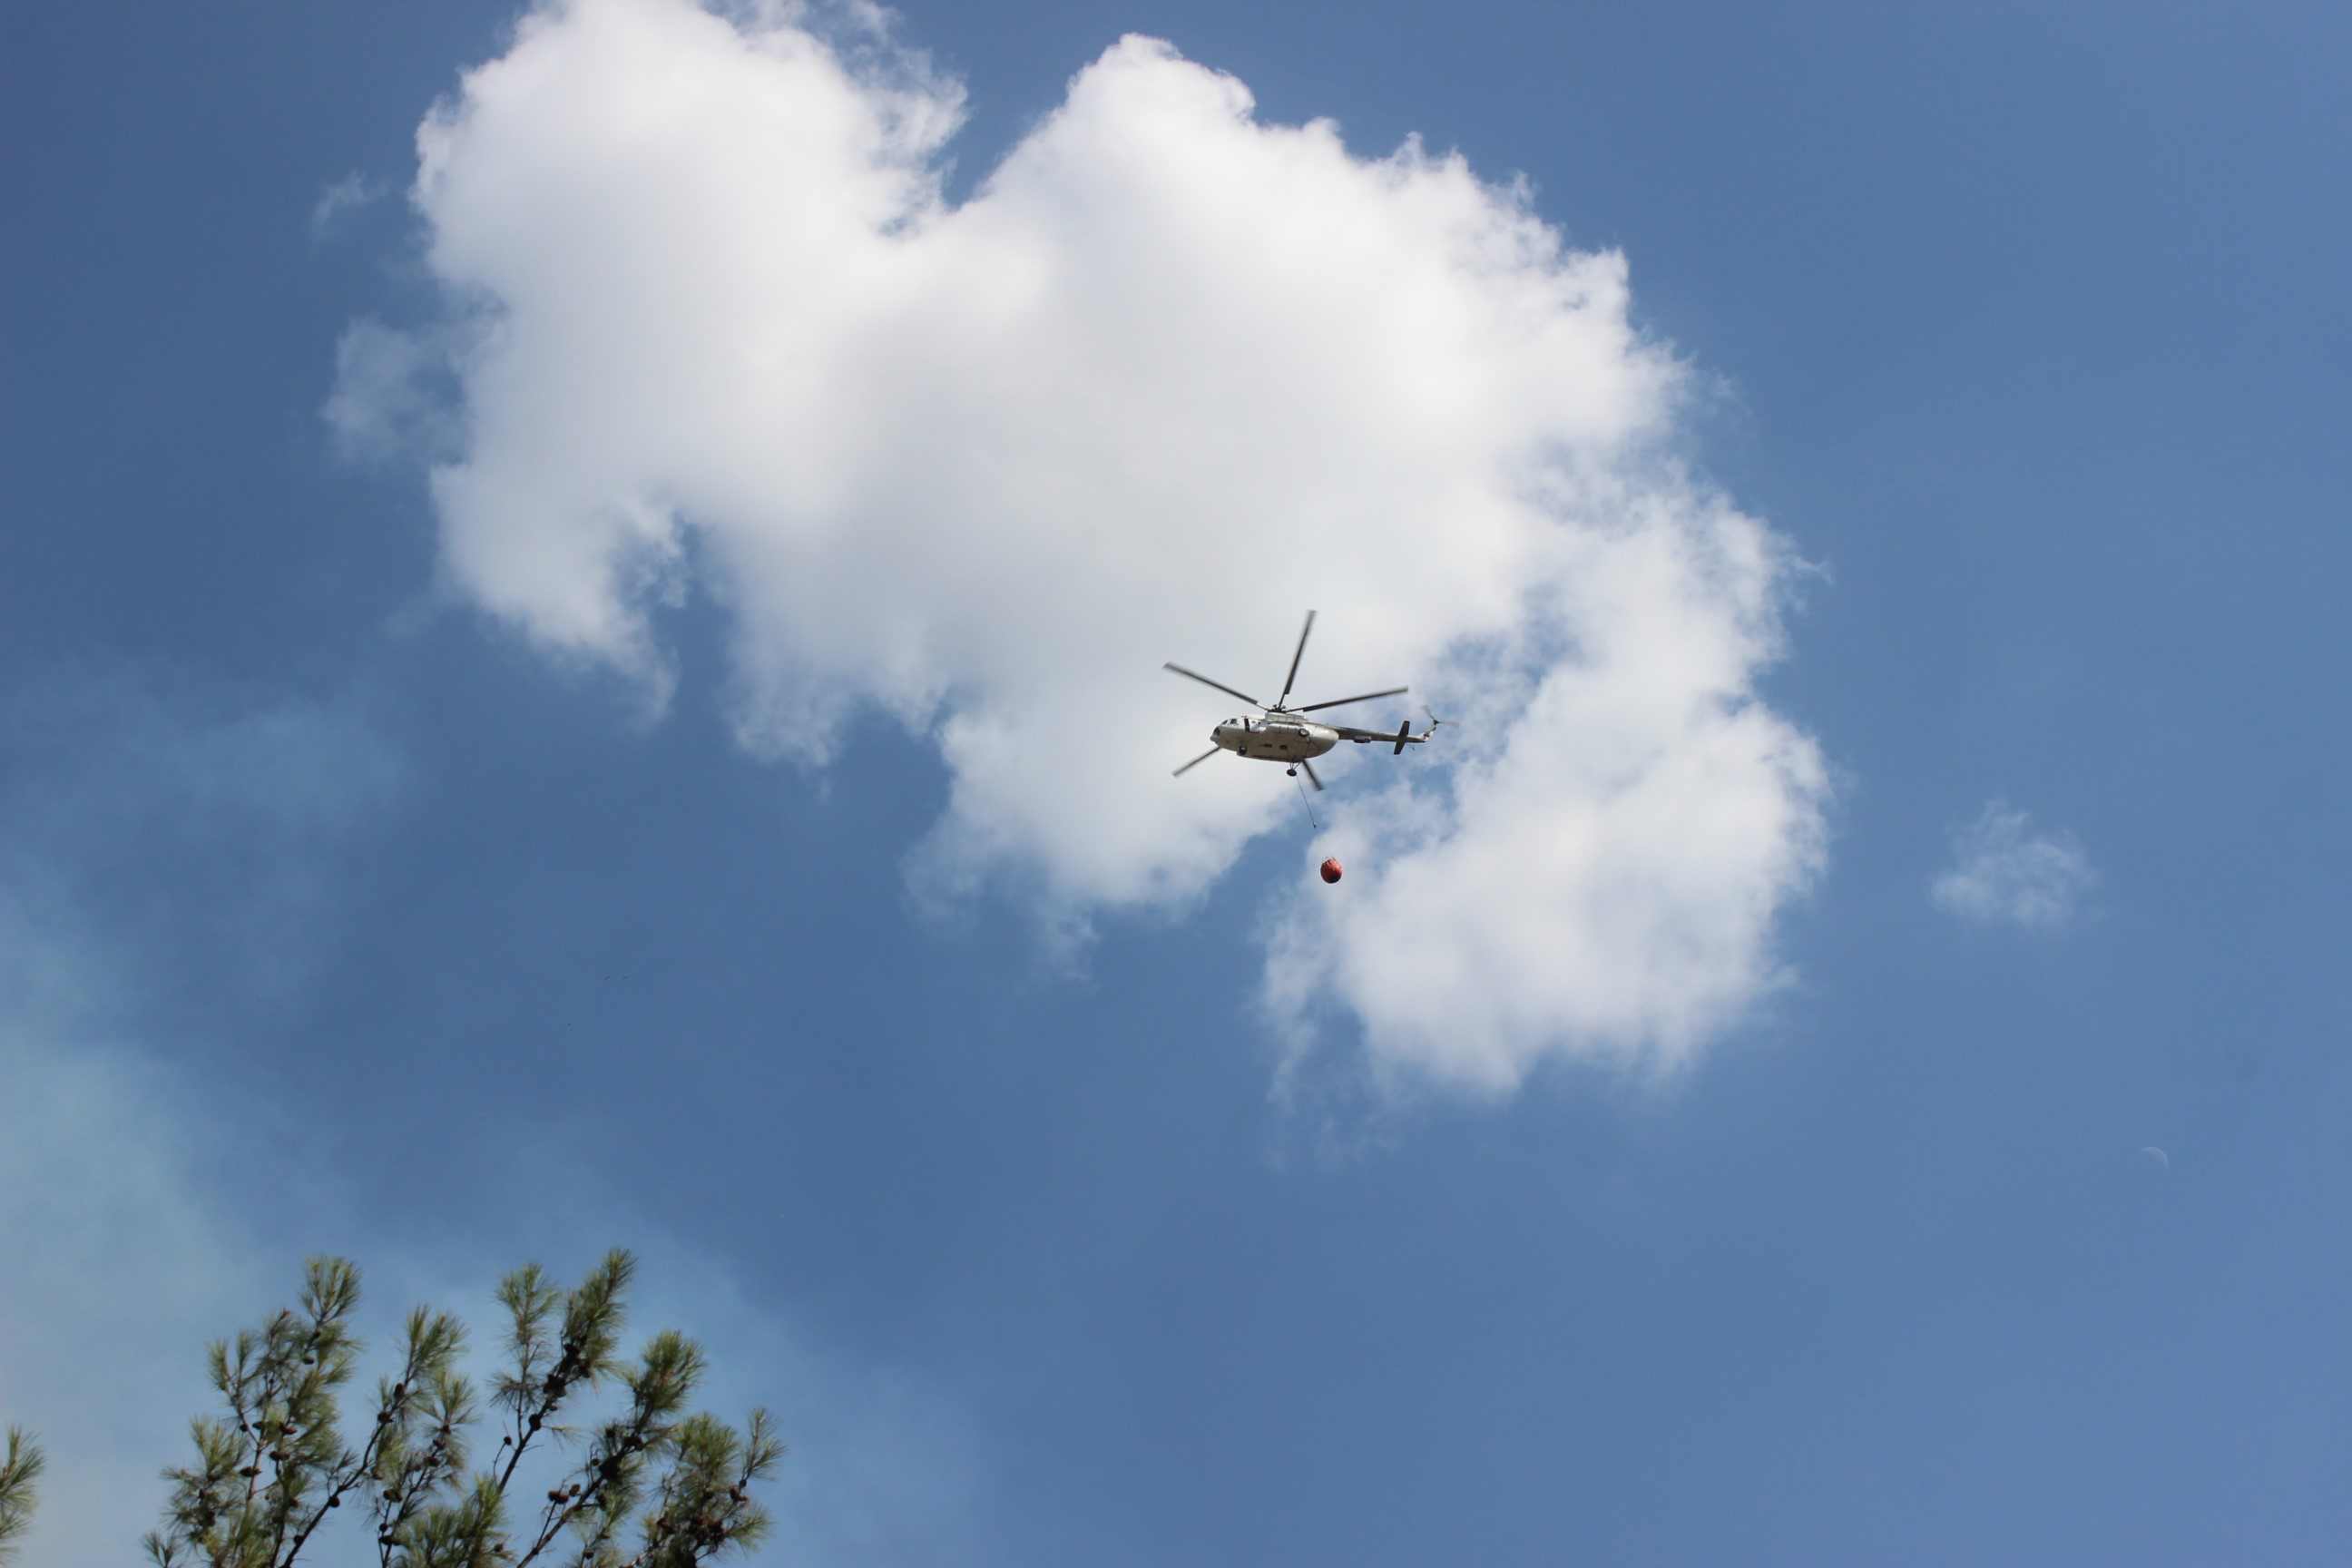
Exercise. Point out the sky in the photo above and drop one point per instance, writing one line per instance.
(582, 596)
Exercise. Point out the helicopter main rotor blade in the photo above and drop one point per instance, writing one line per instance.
(1220, 685)
(1300, 652)
(1311, 774)
(1196, 762)
(1343, 701)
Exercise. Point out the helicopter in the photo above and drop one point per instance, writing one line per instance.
(1284, 735)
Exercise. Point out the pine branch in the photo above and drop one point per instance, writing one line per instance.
(593, 1316)
(19, 1469)
(433, 1341)
(610, 1487)
(270, 1470)
(705, 1504)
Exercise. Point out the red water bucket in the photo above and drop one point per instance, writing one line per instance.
(1331, 869)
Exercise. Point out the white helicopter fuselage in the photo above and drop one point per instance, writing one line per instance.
(1284, 739)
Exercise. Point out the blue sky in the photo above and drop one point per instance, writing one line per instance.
(348, 907)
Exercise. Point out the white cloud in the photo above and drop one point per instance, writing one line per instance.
(1168, 378)
(343, 197)
(387, 402)
(2003, 869)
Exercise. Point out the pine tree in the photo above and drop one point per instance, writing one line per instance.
(273, 1469)
(19, 1469)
